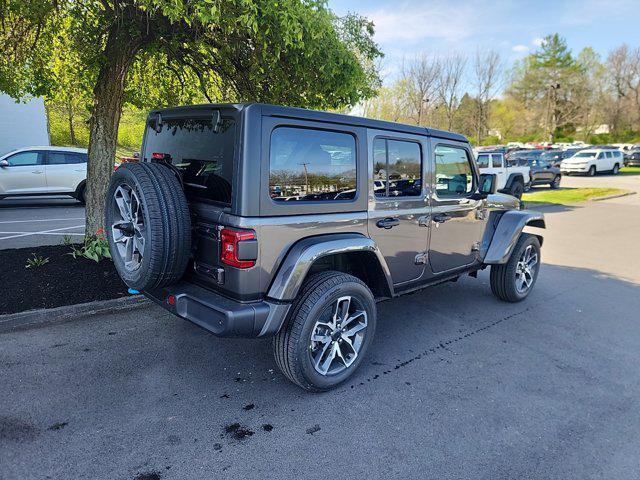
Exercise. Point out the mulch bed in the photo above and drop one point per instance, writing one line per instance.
(63, 280)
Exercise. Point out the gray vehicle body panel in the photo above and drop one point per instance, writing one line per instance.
(292, 236)
(507, 232)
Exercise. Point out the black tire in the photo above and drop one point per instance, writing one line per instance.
(517, 189)
(80, 194)
(616, 169)
(292, 347)
(556, 182)
(503, 277)
(166, 229)
(592, 171)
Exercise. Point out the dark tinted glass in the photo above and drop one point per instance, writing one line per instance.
(64, 158)
(204, 157)
(311, 165)
(497, 161)
(454, 177)
(397, 168)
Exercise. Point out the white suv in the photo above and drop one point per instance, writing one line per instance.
(44, 171)
(592, 161)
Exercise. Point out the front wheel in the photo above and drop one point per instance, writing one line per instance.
(517, 189)
(514, 280)
(592, 171)
(328, 331)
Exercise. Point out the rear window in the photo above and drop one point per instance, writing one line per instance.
(205, 158)
(66, 158)
(311, 165)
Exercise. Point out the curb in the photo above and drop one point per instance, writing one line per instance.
(619, 195)
(29, 318)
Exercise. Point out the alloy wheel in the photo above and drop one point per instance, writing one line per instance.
(526, 269)
(128, 227)
(336, 342)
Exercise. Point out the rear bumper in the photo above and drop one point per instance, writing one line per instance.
(220, 315)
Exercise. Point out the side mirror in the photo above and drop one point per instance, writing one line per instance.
(488, 183)
(4, 163)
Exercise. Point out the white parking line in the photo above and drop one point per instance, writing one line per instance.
(44, 220)
(41, 232)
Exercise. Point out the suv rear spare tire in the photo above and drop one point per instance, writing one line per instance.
(148, 225)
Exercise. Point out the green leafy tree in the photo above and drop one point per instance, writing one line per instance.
(294, 52)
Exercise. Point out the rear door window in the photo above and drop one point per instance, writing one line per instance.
(398, 165)
(65, 158)
(310, 165)
(205, 157)
(497, 161)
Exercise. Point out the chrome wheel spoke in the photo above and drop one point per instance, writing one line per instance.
(335, 344)
(128, 231)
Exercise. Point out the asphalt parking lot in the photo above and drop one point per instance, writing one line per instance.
(457, 385)
(33, 221)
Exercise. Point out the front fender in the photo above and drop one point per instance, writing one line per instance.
(303, 254)
(508, 231)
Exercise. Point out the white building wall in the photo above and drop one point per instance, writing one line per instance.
(22, 124)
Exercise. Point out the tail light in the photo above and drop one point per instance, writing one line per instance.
(238, 248)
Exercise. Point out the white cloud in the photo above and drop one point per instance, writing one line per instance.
(537, 42)
(413, 23)
(520, 48)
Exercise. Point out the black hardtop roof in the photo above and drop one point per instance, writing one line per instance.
(316, 115)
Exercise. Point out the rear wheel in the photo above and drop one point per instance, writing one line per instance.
(616, 169)
(514, 280)
(328, 331)
(592, 171)
(80, 194)
(556, 182)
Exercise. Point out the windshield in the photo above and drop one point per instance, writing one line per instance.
(204, 157)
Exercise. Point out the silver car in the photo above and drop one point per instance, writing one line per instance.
(44, 171)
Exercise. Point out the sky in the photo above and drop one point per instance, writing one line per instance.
(513, 28)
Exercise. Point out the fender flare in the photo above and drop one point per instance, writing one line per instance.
(508, 231)
(301, 256)
(512, 178)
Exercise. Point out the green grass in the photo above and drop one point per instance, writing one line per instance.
(630, 171)
(569, 196)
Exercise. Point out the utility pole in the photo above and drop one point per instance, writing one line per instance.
(306, 176)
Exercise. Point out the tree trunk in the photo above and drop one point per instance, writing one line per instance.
(72, 132)
(103, 125)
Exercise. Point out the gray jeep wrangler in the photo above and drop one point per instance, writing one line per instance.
(265, 221)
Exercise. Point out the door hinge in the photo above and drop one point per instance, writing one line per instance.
(421, 258)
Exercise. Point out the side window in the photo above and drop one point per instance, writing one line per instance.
(311, 165)
(496, 161)
(454, 177)
(66, 158)
(483, 161)
(600, 156)
(609, 154)
(24, 159)
(397, 169)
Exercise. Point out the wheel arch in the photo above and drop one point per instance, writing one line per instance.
(507, 233)
(350, 253)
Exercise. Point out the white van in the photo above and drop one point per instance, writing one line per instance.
(592, 161)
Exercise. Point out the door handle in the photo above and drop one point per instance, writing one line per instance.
(36, 171)
(387, 223)
(441, 217)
